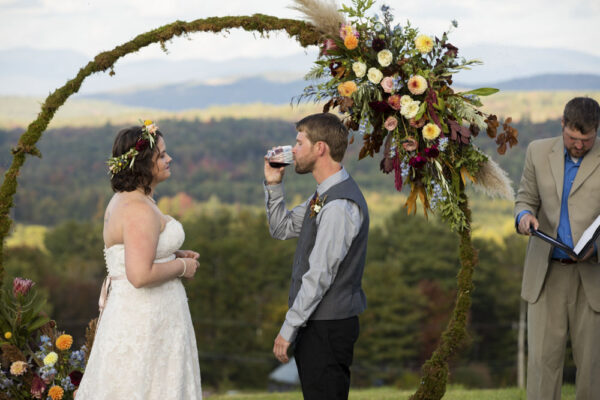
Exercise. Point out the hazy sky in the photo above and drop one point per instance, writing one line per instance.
(92, 26)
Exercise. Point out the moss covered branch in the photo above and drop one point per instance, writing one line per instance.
(435, 370)
(304, 33)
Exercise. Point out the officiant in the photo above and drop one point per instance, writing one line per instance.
(559, 194)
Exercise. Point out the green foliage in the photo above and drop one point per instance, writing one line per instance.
(238, 298)
(20, 316)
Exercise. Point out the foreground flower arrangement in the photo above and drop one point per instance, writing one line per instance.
(394, 86)
(37, 361)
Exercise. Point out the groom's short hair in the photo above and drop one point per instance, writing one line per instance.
(326, 127)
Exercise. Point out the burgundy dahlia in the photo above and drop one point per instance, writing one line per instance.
(432, 152)
(141, 144)
(417, 161)
(379, 106)
(378, 44)
(76, 377)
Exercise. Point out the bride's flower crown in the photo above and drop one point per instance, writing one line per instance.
(127, 159)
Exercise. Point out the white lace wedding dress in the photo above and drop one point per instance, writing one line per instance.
(145, 346)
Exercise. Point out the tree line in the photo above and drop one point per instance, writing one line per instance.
(238, 298)
(222, 158)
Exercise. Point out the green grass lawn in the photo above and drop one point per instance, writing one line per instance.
(453, 393)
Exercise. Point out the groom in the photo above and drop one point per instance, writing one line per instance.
(325, 294)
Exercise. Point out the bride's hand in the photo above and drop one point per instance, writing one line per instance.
(191, 264)
(187, 254)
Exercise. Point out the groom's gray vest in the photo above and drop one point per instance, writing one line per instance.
(345, 297)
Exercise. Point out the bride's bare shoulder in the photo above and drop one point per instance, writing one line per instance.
(125, 206)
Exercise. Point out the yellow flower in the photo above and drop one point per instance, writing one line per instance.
(347, 88)
(431, 131)
(424, 43)
(417, 84)
(147, 122)
(56, 393)
(7, 335)
(64, 342)
(51, 358)
(351, 42)
(18, 368)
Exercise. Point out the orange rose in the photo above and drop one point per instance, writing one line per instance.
(351, 42)
(347, 88)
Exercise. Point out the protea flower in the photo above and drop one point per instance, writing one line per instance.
(21, 286)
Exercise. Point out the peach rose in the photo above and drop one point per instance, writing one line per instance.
(387, 84)
(347, 88)
(409, 144)
(394, 102)
(390, 123)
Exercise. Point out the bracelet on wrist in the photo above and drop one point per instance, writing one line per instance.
(184, 268)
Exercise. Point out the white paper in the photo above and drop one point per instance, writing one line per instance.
(587, 235)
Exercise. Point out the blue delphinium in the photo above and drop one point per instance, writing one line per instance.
(66, 384)
(47, 372)
(443, 143)
(77, 358)
(5, 382)
(437, 195)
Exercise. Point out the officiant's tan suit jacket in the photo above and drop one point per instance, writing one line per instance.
(540, 192)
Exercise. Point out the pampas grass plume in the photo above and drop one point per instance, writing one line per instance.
(323, 14)
(494, 181)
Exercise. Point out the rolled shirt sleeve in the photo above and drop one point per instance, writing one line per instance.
(283, 223)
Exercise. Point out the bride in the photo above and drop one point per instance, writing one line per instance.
(145, 347)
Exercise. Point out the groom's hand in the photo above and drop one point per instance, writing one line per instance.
(280, 349)
(273, 176)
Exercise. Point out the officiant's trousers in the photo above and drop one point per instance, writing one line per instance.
(323, 352)
(562, 309)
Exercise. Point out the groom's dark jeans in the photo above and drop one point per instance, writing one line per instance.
(324, 352)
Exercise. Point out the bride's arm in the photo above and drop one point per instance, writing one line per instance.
(141, 229)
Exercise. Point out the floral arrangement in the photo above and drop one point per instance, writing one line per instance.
(127, 159)
(394, 86)
(37, 361)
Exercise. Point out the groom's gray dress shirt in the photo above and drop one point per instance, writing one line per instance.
(338, 224)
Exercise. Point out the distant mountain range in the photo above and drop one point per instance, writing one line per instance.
(256, 89)
(32, 72)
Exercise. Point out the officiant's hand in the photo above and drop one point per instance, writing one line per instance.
(280, 349)
(587, 255)
(527, 221)
(273, 176)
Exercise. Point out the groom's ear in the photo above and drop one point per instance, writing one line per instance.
(323, 148)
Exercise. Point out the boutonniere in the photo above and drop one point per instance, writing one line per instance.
(316, 204)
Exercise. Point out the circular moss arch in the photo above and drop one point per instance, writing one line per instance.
(435, 370)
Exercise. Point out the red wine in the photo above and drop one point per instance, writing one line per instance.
(275, 164)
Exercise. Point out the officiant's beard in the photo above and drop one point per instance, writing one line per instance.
(305, 168)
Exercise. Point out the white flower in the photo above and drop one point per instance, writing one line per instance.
(411, 110)
(385, 57)
(405, 100)
(360, 69)
(375, 75)
(316, 208)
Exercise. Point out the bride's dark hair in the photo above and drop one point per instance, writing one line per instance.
(140, 175)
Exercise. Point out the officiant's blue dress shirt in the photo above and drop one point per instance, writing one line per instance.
(564, 226)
